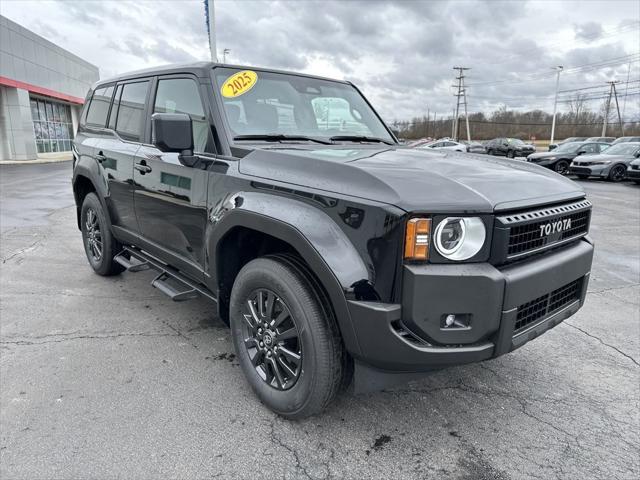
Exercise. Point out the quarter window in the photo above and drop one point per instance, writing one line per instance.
(114, 108)
(98, 108)
(130, 110)
(180, 95)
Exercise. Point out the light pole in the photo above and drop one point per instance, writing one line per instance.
(224, 55)
(210, 9)
(555, 105)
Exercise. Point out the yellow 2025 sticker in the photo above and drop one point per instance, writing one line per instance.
(239, 83)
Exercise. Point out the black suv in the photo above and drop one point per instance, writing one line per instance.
(509, 147)
(337, 256)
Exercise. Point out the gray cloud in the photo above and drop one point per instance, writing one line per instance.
(399, 53)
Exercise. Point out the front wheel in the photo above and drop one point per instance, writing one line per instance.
(99, 244)
(286, 340)
(617, 173)
(561, 167)
(511, 154)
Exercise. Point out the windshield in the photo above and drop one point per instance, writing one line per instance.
(570, 147)
(622, 149)
(284, 105)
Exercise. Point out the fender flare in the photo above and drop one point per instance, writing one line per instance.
(89, 170)
(311, 232)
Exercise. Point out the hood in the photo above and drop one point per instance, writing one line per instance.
(553, 153)
(433, 181)
(602, 158)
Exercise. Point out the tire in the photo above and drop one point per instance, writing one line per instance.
(617, 173)
(561, 167)
(99, 244)
(582, 177)
(308, 386)
(637, 182)
(489, 152)
(511, 154)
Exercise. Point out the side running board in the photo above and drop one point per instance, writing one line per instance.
(169, 280)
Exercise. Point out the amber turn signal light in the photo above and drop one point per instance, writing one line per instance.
(416, 242)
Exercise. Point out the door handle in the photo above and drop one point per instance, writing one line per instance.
(142, 168)
(100, 157)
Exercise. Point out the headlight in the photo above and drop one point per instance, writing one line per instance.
(459, 238)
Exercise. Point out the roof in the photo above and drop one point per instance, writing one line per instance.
(200, 69)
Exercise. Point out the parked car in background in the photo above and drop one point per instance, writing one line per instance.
(560, 159)
(601, 139)
(446, 145)
(611, 164)
(475, 147)
(509, 147)
(419, 142)
(553, 146)
(626, 139)
(633, 171)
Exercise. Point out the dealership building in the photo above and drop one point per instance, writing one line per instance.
(42, 89)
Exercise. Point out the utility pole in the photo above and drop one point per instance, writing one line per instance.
(615, 95)
(461, 93)
(211, 27)
(224, 54)
(555, 104)
(612, 90)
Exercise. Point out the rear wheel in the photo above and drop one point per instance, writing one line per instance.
(288, 346)
(617, 173)
(489, 152)
(561, 167)
(99, 244)
(511, 154)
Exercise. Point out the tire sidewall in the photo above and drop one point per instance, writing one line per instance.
(557, 167)
(259, 275)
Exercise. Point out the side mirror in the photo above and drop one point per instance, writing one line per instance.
(173, 132)
(637, 154)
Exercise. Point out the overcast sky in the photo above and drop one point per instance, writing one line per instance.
(399, 53)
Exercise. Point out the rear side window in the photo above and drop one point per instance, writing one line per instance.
(180, 95)
(99, 107)
(129, 121)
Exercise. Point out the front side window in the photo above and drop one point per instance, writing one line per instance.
(180, 95)
(98, 108)
(292, 105)
(130, 112)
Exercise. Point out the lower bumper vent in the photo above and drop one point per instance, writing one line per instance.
(547, 304)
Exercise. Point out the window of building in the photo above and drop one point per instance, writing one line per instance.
(130, 110)
(52, 125)
(180, 95)
(99, 107)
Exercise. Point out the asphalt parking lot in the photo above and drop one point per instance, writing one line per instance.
(107, 378)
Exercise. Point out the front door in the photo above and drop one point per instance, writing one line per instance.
(171, 199)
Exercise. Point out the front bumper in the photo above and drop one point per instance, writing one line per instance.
(633, 174)
(590, 170)
(411, 337)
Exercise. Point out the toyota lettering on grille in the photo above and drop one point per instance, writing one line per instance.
(555, 227)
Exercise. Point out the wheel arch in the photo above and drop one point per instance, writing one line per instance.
(261, 228)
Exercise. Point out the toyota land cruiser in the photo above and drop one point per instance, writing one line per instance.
(337, 256)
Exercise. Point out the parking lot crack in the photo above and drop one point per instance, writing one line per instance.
(275, 439)
(604, 343)
(56, 338)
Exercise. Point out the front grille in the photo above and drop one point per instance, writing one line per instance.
(536, 310)
(531, 231)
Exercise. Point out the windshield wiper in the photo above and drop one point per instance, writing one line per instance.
(278, 137)
(358, 138)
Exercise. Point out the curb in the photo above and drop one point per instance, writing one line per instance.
(39, 161)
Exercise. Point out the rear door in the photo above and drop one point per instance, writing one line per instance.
(117, 149)
(170, 198)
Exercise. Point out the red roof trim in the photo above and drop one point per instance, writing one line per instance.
(7, 82)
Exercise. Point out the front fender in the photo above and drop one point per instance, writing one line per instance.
(311, 232)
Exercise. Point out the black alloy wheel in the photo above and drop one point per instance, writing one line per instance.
(511, 154)
(93, 235)
(272, 339)
(561, 167)
(617, 173)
